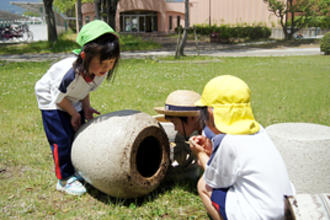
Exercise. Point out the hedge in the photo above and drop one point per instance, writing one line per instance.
(226, 33)
(325, 44)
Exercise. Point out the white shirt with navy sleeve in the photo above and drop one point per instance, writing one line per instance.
(254, 171)
(61, 81)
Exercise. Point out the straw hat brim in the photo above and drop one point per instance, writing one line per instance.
(160, 118)
(162, 110)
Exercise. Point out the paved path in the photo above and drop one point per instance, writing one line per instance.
(245, 52)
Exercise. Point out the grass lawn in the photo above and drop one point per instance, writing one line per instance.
(66, 43)
(284, 89)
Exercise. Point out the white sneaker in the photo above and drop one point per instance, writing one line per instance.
(71, 186)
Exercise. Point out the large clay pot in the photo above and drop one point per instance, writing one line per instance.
(124, 154)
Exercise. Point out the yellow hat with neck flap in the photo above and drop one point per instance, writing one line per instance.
(229, 97)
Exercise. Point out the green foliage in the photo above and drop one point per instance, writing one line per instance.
(319, 21)
(130, 42)
(278, 86)
(66, 5)
(31, 14)
(226, 33)
(309, 13)
(325, 44)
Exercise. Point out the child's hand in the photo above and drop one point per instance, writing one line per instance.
(76, 121)
(88, 112)
(200, 143)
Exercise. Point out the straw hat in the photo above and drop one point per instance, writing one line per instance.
(230, 98)
(180, 103)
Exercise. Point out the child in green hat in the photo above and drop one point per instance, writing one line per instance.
(63, 95)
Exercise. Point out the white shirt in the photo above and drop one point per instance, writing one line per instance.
(61, 81)
(255, 172)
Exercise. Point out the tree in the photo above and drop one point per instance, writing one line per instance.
(287, 11)
(106, 10)
(68, 8)
(79, 14)
(50, 20)
(112, 9)
(182, 42)
(97, 8)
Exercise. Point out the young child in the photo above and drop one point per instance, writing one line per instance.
(180, 111)
(245, 176)
(63, 95)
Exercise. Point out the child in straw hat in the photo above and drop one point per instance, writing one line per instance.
(63, 95)
(180, 111)
(244, 176)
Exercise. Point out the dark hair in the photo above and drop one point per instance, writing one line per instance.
(183, 118)
(203, 116)
(106, 46)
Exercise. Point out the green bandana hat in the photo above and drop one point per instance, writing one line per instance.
(91, 31)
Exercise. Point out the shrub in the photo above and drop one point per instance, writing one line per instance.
(226, 33)
(325, 44)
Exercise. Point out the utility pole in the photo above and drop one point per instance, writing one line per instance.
(209, 12)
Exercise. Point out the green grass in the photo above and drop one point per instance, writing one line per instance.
(66, 43)
(284, 89)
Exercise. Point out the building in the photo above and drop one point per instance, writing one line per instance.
(166, 15)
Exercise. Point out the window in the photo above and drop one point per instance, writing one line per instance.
(138, 21)
(170, 23)
(178, 21)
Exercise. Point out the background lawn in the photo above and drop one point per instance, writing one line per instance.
(284, 89)
(67, 42)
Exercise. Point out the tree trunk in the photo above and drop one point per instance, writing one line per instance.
(177, 55)
(80, 23)
(292, 20)
(50, 19)
(182, 43)
(103, 10)
(97, 9)
(112, 10)
(285, 27)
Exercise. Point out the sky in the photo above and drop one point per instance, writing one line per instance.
(6, 6)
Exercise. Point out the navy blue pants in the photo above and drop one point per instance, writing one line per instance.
(218, 199)
(60, 134)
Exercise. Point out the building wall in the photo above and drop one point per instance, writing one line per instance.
(201, 12)
(231, 12)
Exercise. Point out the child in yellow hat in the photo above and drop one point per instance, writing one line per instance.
(63, 95)
(244, 176)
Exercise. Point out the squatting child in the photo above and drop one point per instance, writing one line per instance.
(245, 176)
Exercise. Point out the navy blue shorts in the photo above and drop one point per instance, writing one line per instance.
(218, 199)
(60, 134)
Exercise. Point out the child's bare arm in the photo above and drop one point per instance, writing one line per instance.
(66, 105)
(88, 110)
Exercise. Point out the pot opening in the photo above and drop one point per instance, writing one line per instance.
(149, 156)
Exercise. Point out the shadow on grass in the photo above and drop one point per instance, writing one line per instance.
(165, 186)
(288, 43)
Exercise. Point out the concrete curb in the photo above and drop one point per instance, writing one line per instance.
(249, 52)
